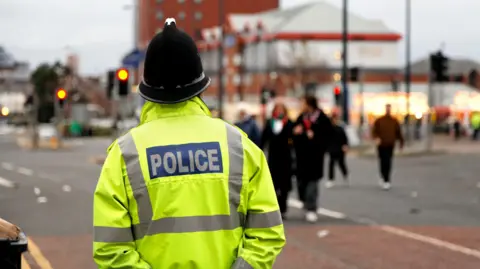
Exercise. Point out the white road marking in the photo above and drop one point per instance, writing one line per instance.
(37, 191)
(7, 166)
(323, 233)
(25, 171)
(321, 211)
(66, 188)
(45, 176)
(6, 183)
(399, 232)
(42, 200)
(430, 240)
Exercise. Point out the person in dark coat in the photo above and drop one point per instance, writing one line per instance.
(312, 131)
(248, 125)
(337, 150)
(277, 136)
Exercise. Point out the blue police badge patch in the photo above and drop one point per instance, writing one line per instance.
(185, 159)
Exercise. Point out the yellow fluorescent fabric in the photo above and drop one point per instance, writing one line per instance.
(216, 210)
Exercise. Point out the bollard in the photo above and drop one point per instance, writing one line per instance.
(11, 252)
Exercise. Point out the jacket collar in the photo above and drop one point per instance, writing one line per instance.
(153, 111)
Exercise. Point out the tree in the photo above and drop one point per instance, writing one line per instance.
(45, 80)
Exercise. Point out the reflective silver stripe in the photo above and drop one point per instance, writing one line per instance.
(240, 263)
(263, 220)
(235, 173)
(112, 235)
(135, 176)
(148, 226)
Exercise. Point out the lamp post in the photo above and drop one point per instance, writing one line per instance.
(258, 39)
(245, 35)
(408, 71)
(221, 88)
(136, 21)
(345, 62)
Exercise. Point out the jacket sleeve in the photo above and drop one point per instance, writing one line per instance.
(114, 246)
(256, 134)
(264, 235)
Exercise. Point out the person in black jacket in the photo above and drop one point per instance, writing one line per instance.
(312, 134)
(337, 151)
(277, 136)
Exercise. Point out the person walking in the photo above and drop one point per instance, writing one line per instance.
(386, 132)
(337, 150)
(475, 122)
(248, 124)
(183, 189)
(277, 136)
(312, 133)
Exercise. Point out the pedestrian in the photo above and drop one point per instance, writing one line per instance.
(312, 134)
(456, 129)
(475, 122)
(337, 150)
(247, 123)
(386, 131)
(277, 136)
(183, 189)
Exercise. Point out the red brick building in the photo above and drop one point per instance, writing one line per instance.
(191, 15)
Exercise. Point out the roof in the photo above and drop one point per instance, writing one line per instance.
(455, 66)
(314, 17)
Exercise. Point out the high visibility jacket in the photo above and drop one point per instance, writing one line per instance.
(184, 190)
(476, 120)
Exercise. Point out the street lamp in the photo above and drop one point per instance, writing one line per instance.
(259, 36)
(244, 35)
(136, 22)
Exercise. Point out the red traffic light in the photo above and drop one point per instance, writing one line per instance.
(61, 94)
(122, 74)
(337, 90)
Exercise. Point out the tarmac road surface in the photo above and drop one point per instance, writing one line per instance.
(430, 218)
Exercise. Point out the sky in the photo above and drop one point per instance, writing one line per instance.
(101, 31)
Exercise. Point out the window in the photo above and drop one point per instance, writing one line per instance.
(197, 1)
(181, 1)
(159, 1)
(181, 15)
(159, 15)
(198, 15)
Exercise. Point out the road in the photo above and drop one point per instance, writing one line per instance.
(430, 218)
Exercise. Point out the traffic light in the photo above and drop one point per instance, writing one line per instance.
(61, 96)
(354, 74)
(266, 95)
(337, 93)
(395, 85)
(472, 78)
(123, 84)
(439, 67)
(110, 83)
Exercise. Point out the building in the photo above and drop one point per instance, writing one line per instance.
(14, 82)
(191, 15)
(291, 48)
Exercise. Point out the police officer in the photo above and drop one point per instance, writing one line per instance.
(183, 189)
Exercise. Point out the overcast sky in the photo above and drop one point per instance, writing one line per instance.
(100, 31)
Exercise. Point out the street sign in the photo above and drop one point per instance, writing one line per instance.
(133, 59)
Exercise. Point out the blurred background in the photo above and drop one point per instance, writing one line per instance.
(69, 72)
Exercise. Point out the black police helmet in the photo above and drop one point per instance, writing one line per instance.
(173, 70)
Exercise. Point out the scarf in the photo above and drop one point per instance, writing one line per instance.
(278, 122)
(310, 118)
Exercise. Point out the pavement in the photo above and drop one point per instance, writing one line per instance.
(429, 219)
